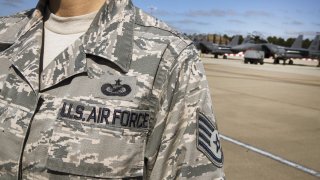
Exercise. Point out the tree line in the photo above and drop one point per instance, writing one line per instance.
(225, 39)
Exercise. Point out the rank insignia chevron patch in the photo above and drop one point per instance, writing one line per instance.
(208, 140)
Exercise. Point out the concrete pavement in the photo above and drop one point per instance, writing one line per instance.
(275, 108)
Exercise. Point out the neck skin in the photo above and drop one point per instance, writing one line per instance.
(69, 8)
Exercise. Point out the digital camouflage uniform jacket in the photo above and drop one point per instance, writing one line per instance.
(127, 100)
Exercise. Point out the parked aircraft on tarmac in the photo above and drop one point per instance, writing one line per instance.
(282, 53)
(269, 49)
(216, 49)
(314, 51)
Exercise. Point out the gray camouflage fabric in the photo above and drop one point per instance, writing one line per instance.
(127, 100)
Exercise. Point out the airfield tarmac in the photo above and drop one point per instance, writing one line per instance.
(273, 108)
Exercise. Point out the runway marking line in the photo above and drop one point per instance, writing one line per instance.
(272, 156)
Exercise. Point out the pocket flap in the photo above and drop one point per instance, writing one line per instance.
(89, 150)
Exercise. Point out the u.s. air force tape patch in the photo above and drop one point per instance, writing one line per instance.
(208, 140)
(104, 116)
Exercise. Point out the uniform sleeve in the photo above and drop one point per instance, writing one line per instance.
(185, 136)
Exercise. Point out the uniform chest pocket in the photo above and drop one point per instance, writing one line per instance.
(14, 123)
(95, 149)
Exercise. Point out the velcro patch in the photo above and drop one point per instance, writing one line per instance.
(208, 140)
(108, 87)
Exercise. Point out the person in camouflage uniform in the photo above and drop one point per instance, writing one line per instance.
(127, 100)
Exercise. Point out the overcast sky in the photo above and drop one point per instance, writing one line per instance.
(284, 18)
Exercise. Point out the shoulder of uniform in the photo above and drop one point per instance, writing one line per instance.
(144, 19)
(11, 25)
(21, 14)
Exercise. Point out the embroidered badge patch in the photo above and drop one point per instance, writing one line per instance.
(116, 89)
(208, 140)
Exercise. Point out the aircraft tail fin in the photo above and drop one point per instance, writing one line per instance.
(234, 41)
(314, 46)
(298, 42)
(246, 40)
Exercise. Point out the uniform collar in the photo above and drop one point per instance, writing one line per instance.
(26, 51)
(110, 36)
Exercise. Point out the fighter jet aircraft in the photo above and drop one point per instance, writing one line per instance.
(216, 49)
(314, 51)
(282, 53)
(269, 49)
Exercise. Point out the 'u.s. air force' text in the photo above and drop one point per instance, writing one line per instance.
(138, 119)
